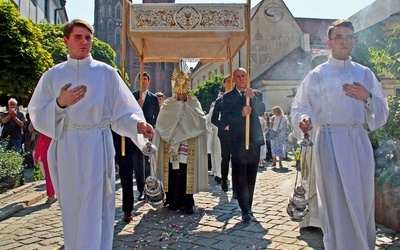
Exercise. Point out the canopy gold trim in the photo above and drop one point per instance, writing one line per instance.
(170, 32)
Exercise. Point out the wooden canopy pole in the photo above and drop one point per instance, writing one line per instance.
(141, 70)
(247, 138)
(125, 13)
(230, 67)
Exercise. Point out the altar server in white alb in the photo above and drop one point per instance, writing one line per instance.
(338, 99)
(77, 103)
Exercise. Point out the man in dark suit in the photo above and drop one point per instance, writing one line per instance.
(150, 106)
(219, 121)
(244, 160)
(134, 160)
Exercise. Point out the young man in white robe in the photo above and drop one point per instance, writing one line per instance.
(337, 100)
(77, 103)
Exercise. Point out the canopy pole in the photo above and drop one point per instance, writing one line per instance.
(247, 138)
(141, 70)
(125, 13)
(230, 65)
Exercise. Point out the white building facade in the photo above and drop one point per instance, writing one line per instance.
(52, 11)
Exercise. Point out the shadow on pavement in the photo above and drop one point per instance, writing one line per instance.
(312, 235)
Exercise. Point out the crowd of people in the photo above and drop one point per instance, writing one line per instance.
(82, 131)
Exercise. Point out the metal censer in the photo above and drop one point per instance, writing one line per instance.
(297, 208)
(153, 188)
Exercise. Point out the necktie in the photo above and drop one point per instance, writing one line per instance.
(242, 93)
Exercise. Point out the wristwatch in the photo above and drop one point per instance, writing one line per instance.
(368, 100)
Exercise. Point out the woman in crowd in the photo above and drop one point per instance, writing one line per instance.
(42, 145)
(278, 144)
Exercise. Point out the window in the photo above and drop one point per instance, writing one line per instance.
(163, 86)
(118, 13)
(221, 69)
(118, 38)
(397, 92)
(162, 65)
(46, 10)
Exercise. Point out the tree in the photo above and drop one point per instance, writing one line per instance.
(22, 58)
(387, 59)
(384, 58)
(52, 41)
(208, 91)
(28, 50)
(371, 38)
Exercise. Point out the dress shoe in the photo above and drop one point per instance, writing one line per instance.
(141, 196)
(246, 217)
(224, 186)
(218, 179)
(127, 217)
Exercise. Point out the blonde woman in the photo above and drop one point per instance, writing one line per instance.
(278, 144)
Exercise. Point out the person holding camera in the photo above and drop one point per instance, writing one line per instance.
(13, 122)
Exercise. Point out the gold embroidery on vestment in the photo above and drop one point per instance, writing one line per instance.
(190, 166)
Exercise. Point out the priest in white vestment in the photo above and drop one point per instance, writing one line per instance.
(77, 103)
(339, 99)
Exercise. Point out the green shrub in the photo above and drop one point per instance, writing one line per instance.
(386, 144)
(11, 167)
(297, 154)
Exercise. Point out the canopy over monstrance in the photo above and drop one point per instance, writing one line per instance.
(171, 32)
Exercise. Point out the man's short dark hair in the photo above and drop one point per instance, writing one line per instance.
(68, 27)
(145, 74)
(339, 23)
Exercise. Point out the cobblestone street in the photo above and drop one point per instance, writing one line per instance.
(216, 223)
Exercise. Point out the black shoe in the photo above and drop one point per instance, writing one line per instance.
(246, 217)
(141, 196)
(128, 217)
(218, 179)
(224, 186)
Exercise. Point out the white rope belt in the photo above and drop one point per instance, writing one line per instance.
(341, 128)
(85, 127)
(103, 128)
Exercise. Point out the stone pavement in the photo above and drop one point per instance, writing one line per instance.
(26, 222)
